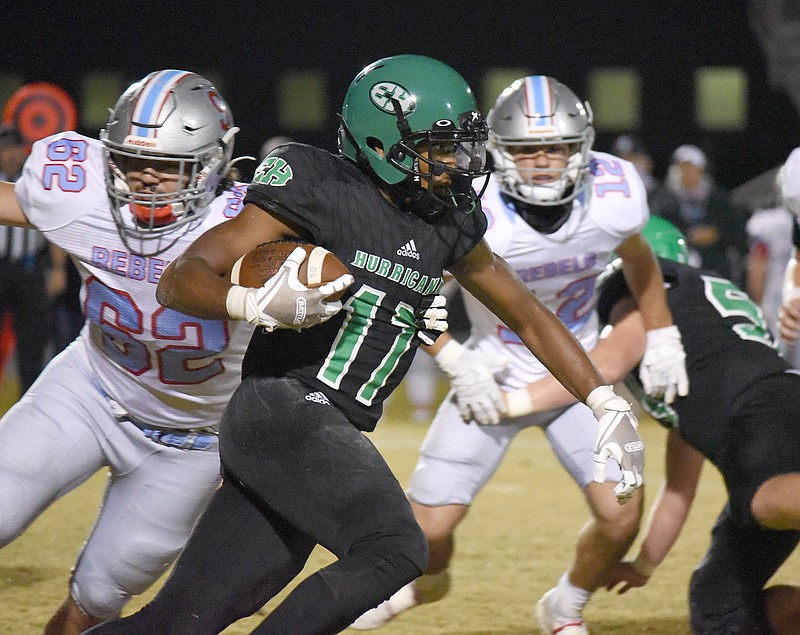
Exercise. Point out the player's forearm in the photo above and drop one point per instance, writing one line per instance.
(615, 355)
(190, 286)
(562, 355)
(674, 500)
(548, 393)
(664, 524)
(10, 211)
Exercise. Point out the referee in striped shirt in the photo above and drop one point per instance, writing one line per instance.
(24, 269)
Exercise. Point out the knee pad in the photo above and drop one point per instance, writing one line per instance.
(97, 598)
(102, 587)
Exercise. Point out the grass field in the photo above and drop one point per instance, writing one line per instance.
(511, 548)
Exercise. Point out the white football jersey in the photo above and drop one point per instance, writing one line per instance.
(163, 367)
(790, 182)
(772, 228)
(560, 268)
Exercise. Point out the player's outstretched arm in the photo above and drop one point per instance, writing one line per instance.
(10, 211)
(663, 367)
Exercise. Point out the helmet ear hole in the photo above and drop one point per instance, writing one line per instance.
(373, 143)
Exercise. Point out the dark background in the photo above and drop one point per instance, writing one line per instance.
(250, 44)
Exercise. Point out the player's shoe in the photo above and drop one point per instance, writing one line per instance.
(387, 610)
(554, 624)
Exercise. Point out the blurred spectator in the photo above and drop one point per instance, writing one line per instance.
(26, 276)
(769, 233)
(714, 228)
(660, 200)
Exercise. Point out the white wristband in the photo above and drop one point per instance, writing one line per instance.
(236, 302)
(448, 356)
(643, 566)
(518, 403)
(598, 397)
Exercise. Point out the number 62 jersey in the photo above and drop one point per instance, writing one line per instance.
(165, 368)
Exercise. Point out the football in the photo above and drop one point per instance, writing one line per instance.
(262, 262)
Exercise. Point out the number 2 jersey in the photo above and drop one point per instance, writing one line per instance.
(561, 268)
(358, 357)
(161, 366)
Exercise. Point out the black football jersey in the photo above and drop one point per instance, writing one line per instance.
(360, 355)
(728, 347)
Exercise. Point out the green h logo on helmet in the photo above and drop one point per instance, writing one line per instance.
(383, 93)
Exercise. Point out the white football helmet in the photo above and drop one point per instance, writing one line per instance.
(170, 117)
(541, 110)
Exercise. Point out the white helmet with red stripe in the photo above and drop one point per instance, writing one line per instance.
(539, 110)
(178, 121)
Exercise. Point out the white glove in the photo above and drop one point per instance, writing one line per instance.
(617, 438)
(472, 380)
(285, 302)
(663, 367)
(431, 318)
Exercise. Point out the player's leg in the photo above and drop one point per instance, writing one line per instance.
(456, 460)
(758, 529)
(153, 499)
(606, 536)
(239, 555)
(48, 445)
(321, 474)
(726, 593)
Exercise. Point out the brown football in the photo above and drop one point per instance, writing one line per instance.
(262, 262)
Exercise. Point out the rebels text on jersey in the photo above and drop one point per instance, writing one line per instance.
(163, 367)
(359, 356)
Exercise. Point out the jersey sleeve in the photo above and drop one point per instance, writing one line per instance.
(62, 178)
(291, 182)
(619, 198)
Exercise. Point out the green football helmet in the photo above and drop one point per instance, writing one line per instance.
(396, 110)
(666, 240)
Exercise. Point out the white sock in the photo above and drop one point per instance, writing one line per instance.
(569, 599)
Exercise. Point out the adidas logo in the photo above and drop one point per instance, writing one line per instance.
(318, 397)
(409, 249)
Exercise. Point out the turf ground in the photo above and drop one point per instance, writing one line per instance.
(510, 549)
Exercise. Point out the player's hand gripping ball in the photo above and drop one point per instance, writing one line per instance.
(262, 262)
(286, 284)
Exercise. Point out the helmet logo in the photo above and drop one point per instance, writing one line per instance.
(141, 142)
(273, 171)
(383, 93)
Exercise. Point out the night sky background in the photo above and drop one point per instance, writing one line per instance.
(250, 44)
